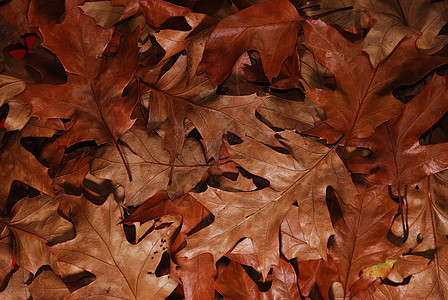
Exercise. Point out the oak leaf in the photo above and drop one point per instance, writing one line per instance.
(110, 259)
(19, 164)
(150, 166)
(34, 223)
(9, 87)
(156, 12)
(258, 215)
(44, 283)
(289, 114)
(235, 283)
(361, 234)
(92, 95)
(16, 288)
(270, 27)
(392, 162)
(18, 115)
(103, 12)
(428, 224)
(396, 19)
(293, 239)
(363, 98)
(316, 277)
(192, 41)
(173, 101)
(6, 254)
(198, 276)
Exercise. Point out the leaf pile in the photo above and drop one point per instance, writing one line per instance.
(237, 149)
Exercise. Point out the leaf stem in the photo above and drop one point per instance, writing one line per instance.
(404, 213)
(139, 102)
(126, 165)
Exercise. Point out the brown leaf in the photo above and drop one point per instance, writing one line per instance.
(109, 259)
(361, 234)
(17, 289)
(6, 254)
(198, 276)
(173, 101)
(428, 224)
(316, 277)
(244, 253)
(293, 239)
(399, 18)
(392, 163)
(34, 223)
(15, 13)
(156, 12)
(235, 283)
(8, 33)
(289, 114)
(193, 41)
(363, 98)
(19, 164)
(9, 87)
(258, 215)
(69, 178)
(103, 12)
(92, 94)
(47, 285)
(270, 27)
(150, 166)
(18, 115)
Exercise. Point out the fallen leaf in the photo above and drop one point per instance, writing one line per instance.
(173, 101)
(156, 12)
(258, 215)
(17, 289)
(198, 276)
(363, 98)
(44, 283)
(270, 27)
(19, 164)
(94, 85)
(150, 166)
(103, 12)
(34, 224)
(18, 115)
(109, 259)
(361, 234)
(392, 162)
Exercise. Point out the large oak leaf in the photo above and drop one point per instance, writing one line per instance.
(150, 166)
(173, 101)
(302, 177)
(363, 98)
(122, 270)
(35, 223)
(428, 225)
(361, 234)
(270, 27)
(92, 95)
(398, 157)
